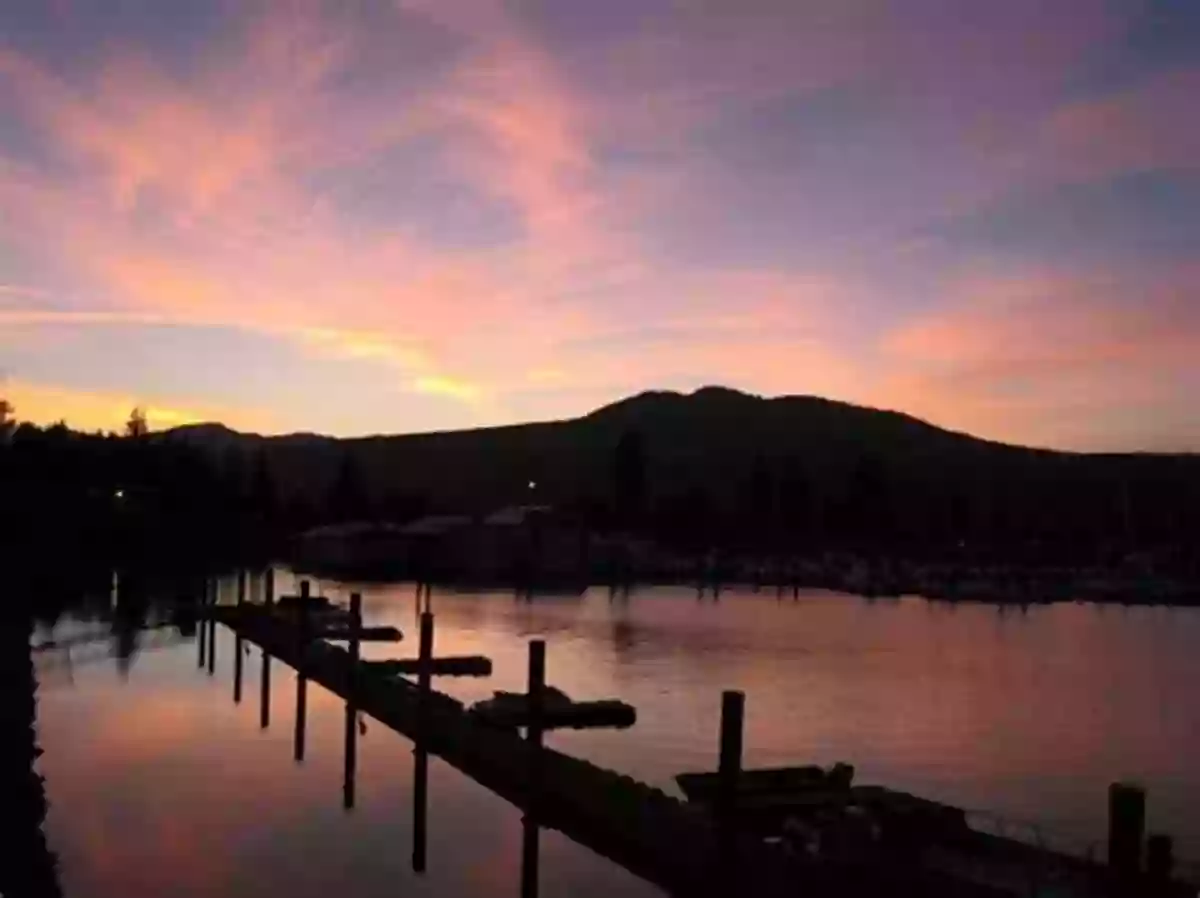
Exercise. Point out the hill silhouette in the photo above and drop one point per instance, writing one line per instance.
(697, 437)
(798, 462)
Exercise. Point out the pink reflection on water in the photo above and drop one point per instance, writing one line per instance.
(162, 785)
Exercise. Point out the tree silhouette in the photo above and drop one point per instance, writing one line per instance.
(796, 505)
(263, 497)
(629, 477)
(348, 499)
(868, 503)
(685, 520)
(137, 426)
(760, 499)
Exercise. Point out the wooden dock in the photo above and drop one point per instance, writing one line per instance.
(447, 666)
(512, 710)
(342, 633)
(820, 810)
(659, 838)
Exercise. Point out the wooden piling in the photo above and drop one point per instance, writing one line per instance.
(305, 590)
(202, 634)
(241, 588)
(269, 587)
(425, 658)
(537, 682)
(355, 630)
(733, 711)
(301, 716)
(211, 623)
(264, 719)
(1126, 828)
(238, 653)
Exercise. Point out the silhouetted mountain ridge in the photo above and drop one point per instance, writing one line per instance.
(709, 441)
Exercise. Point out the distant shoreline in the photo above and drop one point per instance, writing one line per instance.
(1005, 585)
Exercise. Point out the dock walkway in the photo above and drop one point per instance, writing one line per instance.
(659, 838)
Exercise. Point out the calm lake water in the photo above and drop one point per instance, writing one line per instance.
(160, 784)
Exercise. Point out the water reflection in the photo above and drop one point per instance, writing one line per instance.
(1031, 715)
(530, 849)
(350, 753)
(354, 727)
(420, 804)
(301, 715)
(350, 756)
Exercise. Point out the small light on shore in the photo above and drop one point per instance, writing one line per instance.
(119, 494)
(533, 484)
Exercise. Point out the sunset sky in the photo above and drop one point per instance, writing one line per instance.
(367, 217)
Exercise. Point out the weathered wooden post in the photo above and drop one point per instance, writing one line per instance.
(537, 682)
(212, 626)
(425, 659)
(269, 587)
(1126, 829)
(202, 627)
(238, 644)
(237, 639)
(351, 732)
(733, 712)
(301, 715)
(238, 652)
(264, 719)
(305, 590)
(1160, 863)
(355, 636)
(211, 623)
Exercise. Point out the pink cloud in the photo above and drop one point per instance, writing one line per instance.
(1052, 358)
(1149, 126)
(239, 242)
(142, 133)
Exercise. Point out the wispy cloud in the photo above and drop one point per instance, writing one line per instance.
(440, 385)
(1053, 358)
(1147, 127)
